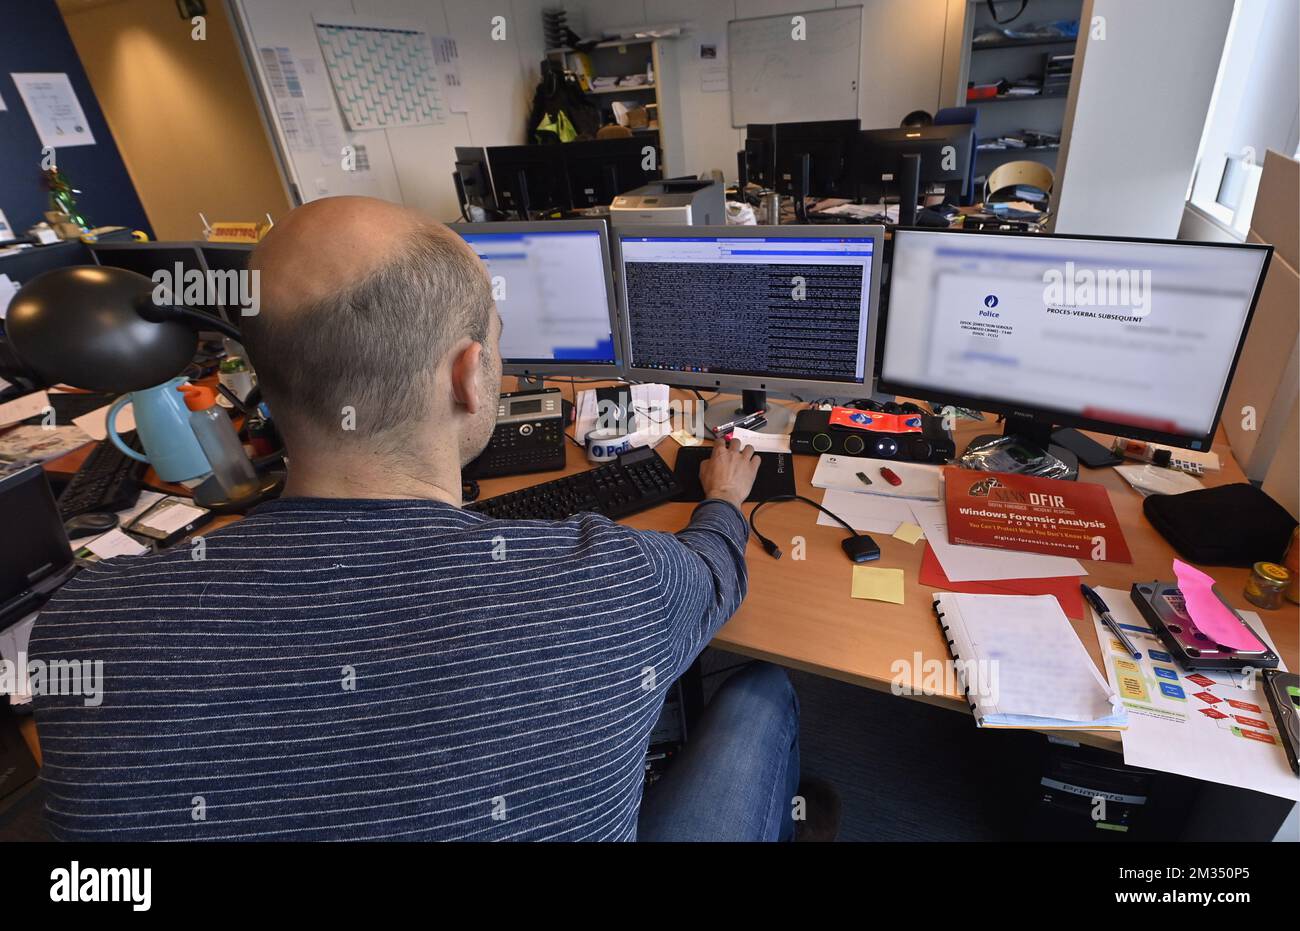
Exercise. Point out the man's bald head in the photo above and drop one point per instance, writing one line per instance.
(361, 302)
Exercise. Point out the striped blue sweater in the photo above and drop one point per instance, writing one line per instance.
(369, 669)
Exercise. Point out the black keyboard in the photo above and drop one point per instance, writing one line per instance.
(635, 481)
(109, 480)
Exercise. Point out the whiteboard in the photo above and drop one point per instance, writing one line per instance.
(777, 78)
(284, 55)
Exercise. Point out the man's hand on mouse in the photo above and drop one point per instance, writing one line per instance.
(729, 473)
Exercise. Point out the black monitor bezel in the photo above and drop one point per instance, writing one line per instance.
(734, 382)
(1064, 418)
(895, 140)
(502, 158)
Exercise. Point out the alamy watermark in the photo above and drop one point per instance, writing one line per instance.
(970, 677)
(55, 677)
(1069, 288)
(182, 287)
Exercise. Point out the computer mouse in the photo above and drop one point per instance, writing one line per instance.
(85, 525)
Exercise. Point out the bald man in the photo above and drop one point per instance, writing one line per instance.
(363, 659)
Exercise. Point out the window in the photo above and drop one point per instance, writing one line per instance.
(1255, 107)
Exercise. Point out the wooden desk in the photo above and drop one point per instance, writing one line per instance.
(799, 614)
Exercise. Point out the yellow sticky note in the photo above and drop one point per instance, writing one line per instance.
(908, 533)
(878, 584)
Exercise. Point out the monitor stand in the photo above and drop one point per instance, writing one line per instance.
(779, 417)
(1035, 437)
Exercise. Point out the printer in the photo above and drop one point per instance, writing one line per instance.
(674, 201)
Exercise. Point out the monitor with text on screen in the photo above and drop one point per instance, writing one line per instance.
(752, 309)
(555, 292)
(1127, 336)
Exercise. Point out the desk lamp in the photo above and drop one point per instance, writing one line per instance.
(98, 328)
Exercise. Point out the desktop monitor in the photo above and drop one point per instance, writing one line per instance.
(752, 309)
(475, 178)
(760, 154)
(225, 258)
(555, 293)
(146, 258)
(529, 179)
(828, 143)
(1135, 337)
(600, 170)
(879, 166)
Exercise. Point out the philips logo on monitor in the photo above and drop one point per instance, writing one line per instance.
(1129, 289)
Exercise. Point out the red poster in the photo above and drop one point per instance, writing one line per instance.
(1034, 515)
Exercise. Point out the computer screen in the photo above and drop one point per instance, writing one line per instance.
(828, 145)
(1135, 337)
(228, 257)
(475, 178)
(148, 258)
(529, 178)
(760, 153)
(599, 170)
(145, 258)
(554, 291)
(945, 152)
(750, 307)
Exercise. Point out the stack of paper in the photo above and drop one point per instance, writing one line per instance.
(1022, 665)
(857, 473)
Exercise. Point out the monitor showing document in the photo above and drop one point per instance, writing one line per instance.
(1136, 337)
(553, 288)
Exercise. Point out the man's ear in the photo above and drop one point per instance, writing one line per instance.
(466, 372)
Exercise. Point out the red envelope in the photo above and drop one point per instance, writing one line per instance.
(1065, 588)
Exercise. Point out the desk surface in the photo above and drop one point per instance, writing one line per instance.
(799, 614)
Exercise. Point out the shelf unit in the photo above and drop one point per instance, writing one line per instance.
(1012, 59)
(623, 57)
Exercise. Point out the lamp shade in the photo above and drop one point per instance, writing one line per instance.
(81, 326)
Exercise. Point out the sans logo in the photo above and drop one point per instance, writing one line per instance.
(991, 300)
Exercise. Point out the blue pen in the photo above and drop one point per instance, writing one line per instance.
(1104, 613)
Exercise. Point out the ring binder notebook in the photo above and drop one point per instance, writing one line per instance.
(1019, 663)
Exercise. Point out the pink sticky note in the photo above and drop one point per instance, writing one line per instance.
(1212, 616)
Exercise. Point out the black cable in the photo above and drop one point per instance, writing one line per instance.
(1014, 16)
(703, 400)
(771, 548)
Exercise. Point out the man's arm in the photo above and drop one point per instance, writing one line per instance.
(699, 572)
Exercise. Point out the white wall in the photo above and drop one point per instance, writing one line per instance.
(1259, 93)
(1136, 115)
(902, 61)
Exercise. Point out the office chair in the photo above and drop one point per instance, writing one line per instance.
(1013, 174)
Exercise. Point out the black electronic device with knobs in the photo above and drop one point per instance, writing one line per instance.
(814, 435)
(529, 436)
